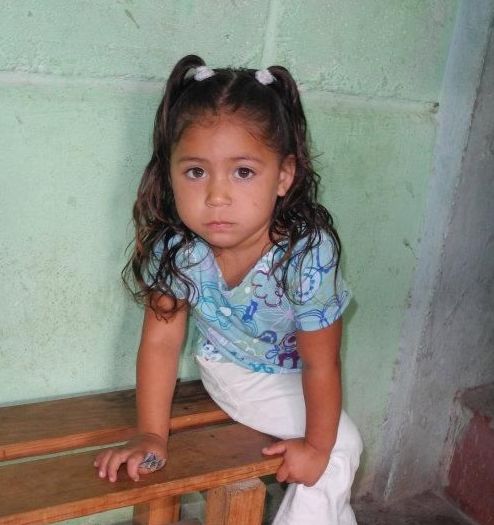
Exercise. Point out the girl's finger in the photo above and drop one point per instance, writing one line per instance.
(133, 465)
(275, 448)
(114, 463)
(282, 474)
(102, 462)
(97, 459)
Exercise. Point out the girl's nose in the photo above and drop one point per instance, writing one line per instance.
(218, 194)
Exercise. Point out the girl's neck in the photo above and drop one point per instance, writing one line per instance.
(236, 264)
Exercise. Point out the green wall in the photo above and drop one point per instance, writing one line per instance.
(79, 84)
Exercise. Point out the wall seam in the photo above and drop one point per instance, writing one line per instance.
(17, 78)
(337, 101)
(331, 99)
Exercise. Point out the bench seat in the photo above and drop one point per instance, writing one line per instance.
(207, 452)
(57, 488)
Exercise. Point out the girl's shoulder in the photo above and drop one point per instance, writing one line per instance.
(186, 253)
(315, 279)
(314, 250)
(180, 257)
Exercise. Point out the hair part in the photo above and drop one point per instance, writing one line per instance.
(277, 111)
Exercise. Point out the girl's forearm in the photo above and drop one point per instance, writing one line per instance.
(157, 362)
(322, 392)
(320, 352)
(156, 379)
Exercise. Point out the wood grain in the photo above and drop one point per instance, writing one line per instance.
(158, 512)
(67, 486)
(241, 503)
(97, 419)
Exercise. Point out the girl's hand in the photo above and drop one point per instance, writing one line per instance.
(302, 463)
(143, 454)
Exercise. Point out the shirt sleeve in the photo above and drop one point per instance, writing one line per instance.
(318, 299)
(177, 287)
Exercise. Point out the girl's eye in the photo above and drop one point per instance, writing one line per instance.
(244, 173)
(195, 173)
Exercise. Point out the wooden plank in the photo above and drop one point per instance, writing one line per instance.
(240, 503)
(158, 512)
(97, 419)
(64, 487)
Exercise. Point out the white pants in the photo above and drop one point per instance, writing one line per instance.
(274, 404)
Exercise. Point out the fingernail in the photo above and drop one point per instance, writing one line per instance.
(101, 474)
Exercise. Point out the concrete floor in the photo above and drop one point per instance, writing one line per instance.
(425, 509)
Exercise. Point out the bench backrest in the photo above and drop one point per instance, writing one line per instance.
(97, 419)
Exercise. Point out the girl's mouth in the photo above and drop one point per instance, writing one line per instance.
(219, 225)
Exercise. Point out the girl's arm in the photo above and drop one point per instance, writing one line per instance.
(321, 379)
(159, 350)
(306, 459)
(157, 361)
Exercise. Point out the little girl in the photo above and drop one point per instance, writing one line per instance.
(228, 229)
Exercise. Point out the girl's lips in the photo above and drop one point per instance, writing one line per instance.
(219, 225)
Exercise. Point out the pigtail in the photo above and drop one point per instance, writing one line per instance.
(287, 89)
(179, 77)
(300, 205)
(154, 212)
(154, 186)
(288, 92)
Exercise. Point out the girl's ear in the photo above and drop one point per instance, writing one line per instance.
(287, 174)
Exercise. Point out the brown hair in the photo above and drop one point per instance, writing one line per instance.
(277, 110)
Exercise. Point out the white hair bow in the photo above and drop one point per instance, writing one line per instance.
(264, 76)
(202, 73)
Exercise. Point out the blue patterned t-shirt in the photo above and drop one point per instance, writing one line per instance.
(254, 323)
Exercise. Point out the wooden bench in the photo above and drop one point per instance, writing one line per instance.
(207, 452)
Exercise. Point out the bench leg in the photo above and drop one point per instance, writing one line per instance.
(240, 503)
(157, 512)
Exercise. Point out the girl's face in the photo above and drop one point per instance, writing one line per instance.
(226, 181)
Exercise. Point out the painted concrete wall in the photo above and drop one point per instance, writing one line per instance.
(447, 342)
(79, 83)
